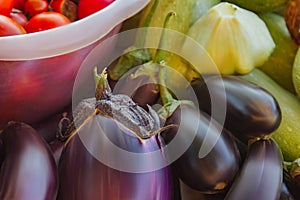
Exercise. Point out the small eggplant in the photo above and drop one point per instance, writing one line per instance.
(291, 185)
(213, 172)
(28, 170)
(142, 89)
(251, 111)
(110, 155)
(261, 175)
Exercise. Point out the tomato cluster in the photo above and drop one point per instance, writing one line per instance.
(28, 16)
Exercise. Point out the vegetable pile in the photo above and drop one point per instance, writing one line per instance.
(239, 138)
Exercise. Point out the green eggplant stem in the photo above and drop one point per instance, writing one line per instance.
(159, 56)
(102, 85)
(166, 96)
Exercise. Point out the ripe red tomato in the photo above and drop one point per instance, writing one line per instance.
(6, 7)
(19, 4)
(46, 20)
(33, 7)
(88, 7)
(19, 17)
(10, 27)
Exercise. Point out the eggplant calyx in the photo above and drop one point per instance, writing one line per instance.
(149, 69)
(102, 86)
(125, 111)
(63, 128)
(131, 58)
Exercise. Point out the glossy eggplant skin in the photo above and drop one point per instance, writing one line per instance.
(291, 185)
(216, 170)
(83, 176)
(141, 89)
(261, 175)
(251, 110)
(28, 170)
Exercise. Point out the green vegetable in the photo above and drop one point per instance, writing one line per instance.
(187, 12)
(260, 5)
(236, 39)
(279, 65)
(288, 134)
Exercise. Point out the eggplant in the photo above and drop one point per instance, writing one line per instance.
(141, 89)
(251, 111)
(28, 170)
(209, 173)
(261, 175)
(291, 185)
(84, 176)
(115, 151)
(285, 193)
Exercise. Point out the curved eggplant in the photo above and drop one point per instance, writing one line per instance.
(261, 175)
(28, 170)
(213, 172)
(251, 110)
(83, 175)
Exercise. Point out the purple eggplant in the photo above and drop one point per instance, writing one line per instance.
(261, 175)
(251, 111)
(285, 193)
(141, 89)
(83, 176)
(49, 127)
(114, 152)
(211, 173)
(28, 170)
(291, 185)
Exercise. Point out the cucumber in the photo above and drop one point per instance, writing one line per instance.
(287, 135)
(279, 65)
(260, 5)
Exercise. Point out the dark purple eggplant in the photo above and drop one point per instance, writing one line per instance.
(49, 127)
(261, 175)
(251, 111)
(110, 154)
(285, 193)
(28, 170)
(211, 173)
(141, 89)
(291, 185)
